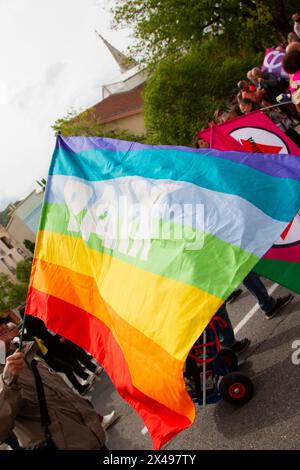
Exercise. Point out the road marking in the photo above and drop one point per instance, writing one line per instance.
(144, 430)
(252, 312)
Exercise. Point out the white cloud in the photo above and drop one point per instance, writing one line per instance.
(51, 61)
(3, 92)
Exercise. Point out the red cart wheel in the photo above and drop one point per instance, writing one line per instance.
(236, 388)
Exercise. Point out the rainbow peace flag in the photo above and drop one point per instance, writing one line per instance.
(137, 290)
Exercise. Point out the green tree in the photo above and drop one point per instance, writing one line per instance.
(23, 270)
(4, 217)
(169, 26)
(29, 245)
(11, 295)
(88, 125)
(182, 95)
(74, 123)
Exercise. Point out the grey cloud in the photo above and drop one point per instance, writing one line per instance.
(23, 98)
(53, 72)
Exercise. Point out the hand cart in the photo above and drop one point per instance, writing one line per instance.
(211, 372)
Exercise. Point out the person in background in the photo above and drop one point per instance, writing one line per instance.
(62, 355)
(257, 95)
(74, 424)
(291, 64)
(200, 143)
(268, 82)
(283, 122)
(247, 106)
(275, 90)
(292, 37)
(296, 21)
(268, 304)
(54, 354)
(281, 46)
(293, 46)
(226, 335)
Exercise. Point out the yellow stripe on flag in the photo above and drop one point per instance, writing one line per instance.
(155, 305)
(137, 348)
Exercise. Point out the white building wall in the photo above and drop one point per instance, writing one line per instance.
(126, 84)
(11, 253)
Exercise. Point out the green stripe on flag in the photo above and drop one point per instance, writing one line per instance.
(285, 273)
(216, 268)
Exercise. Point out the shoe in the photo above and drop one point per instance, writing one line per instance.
(90, 381)
(240, 346)
(82, 389)
(234, 295)
(98, 371)
(280, 302)
(110, 419)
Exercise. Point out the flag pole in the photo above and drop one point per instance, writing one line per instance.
(204, 372)
(22, 331)
(274, 105)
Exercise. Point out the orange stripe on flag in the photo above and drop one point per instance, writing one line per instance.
(140, 352)
(91, 334)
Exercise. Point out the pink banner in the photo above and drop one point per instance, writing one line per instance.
(254, 132)
(220, 140)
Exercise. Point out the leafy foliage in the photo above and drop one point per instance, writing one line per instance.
(23, 270)
(183, 94)
(87, 124)
(84, 124)
(11, 295)
(29, 245)
(174, 26)
(4, 217)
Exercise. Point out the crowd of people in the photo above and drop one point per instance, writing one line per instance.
(277, 96)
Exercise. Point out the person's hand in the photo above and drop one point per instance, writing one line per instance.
(14, 364)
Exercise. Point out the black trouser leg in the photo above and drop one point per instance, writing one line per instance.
(293, 135)
(79, 387)
(79, 370)
(81, 356)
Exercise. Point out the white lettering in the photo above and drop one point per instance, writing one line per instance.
(296, 354)
(129, 215)
(77, 196)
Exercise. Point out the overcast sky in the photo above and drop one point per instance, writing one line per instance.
(51, 62)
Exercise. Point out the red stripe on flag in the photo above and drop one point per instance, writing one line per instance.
(286, 253)
(91, 334)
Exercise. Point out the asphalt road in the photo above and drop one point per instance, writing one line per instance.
(271, 420)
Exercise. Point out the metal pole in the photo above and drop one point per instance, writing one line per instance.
(204, 371)
(275, 105)
(22, 332)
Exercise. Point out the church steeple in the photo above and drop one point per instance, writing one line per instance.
(123, 62)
